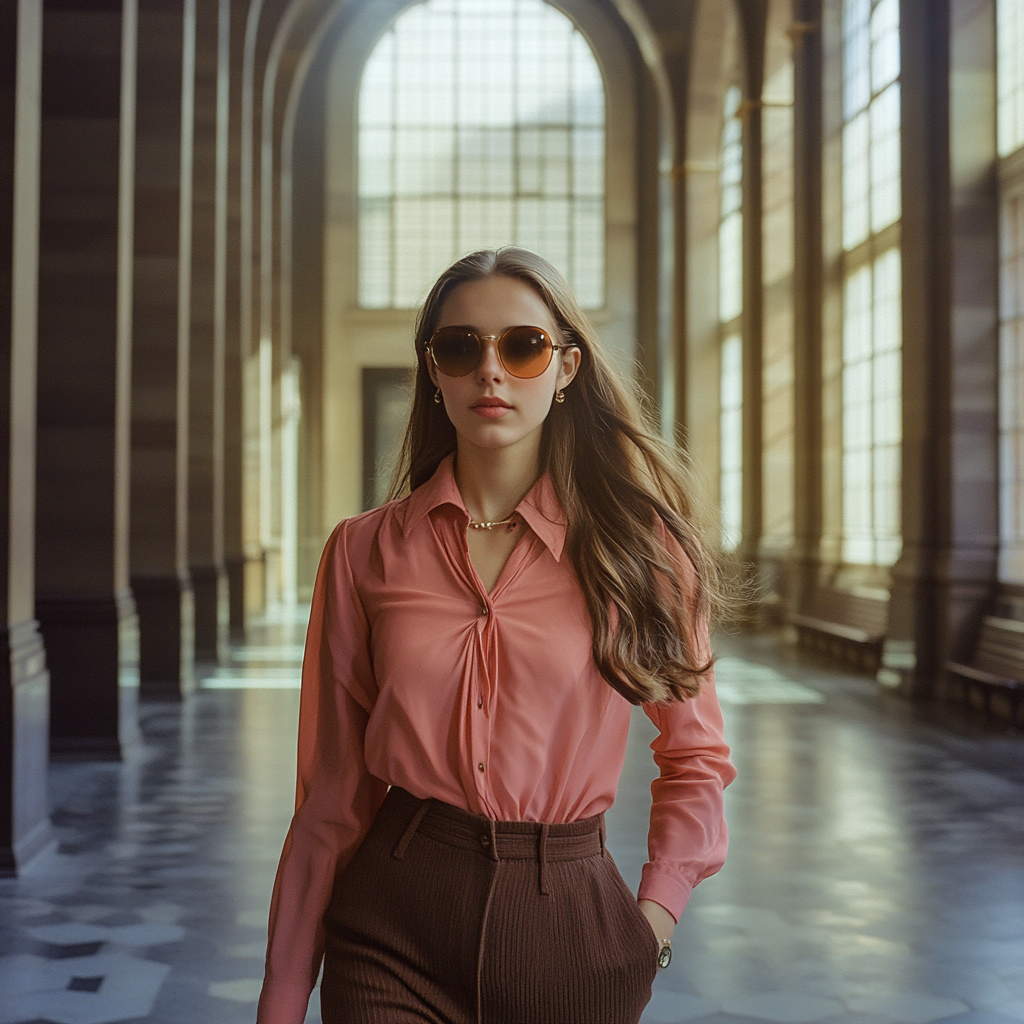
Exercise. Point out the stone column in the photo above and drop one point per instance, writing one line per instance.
(675, 36)
(752, 22)
(970, 566)
(159, 529)
(950, 273)
(24, 686)
(83, 600)
(233, 37)
(206, 349)
(808, 280)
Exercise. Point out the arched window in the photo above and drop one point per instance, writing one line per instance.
(872, 304)
(1010, 78)
(730, 313)
(481, 123)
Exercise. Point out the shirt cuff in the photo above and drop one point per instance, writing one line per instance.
(282, 1003)
(664, 886)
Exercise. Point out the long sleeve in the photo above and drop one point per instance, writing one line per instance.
(337, 798)
(688, 838)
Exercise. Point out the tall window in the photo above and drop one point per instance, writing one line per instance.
(778, 406)
(1010, 77)
(872, 328)
(730, 312)
(481, 123)
(1010, 74)
(1011, 394)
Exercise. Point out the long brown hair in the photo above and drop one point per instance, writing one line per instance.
(615, 479)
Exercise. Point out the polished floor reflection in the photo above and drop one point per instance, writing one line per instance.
(876, 872)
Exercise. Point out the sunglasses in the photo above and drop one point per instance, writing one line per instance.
(524, 351)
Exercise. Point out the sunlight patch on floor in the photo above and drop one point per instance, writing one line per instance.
(746, 682)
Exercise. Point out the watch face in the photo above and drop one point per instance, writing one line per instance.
(665, 955)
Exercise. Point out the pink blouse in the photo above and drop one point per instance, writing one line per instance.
(415, 676)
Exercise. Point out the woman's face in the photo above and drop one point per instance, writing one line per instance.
(488, 407)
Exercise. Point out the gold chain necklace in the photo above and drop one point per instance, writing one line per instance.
(509, 522)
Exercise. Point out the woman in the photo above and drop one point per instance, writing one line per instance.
(476, 646)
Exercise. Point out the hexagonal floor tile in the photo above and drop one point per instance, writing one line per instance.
(668, 1007)
(148, 934)
(242, 990)
(127, 989)
(911, 1007)
(782, 1007)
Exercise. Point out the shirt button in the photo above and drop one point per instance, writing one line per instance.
(480, 703)
(480, 766)
(483, 611)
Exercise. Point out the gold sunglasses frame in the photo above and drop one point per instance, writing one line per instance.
(497, 339)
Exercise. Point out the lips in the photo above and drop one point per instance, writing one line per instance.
(491, 408)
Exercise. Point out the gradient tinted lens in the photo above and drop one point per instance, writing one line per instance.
(456, 351)
(525, 351)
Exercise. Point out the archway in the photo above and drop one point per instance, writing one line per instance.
(366, 336)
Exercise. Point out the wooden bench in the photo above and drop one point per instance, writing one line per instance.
(998, 666)
(845, 624)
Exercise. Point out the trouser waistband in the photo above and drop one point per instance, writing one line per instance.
(498, 840)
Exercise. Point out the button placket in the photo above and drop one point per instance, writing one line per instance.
(484, 695)
(479, 751)
(485, 683)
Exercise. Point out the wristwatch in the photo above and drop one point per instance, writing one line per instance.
(665, 953)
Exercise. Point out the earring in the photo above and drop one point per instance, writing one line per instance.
(559, 396)
(437, 397)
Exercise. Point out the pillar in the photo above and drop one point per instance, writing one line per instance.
(808, 282)
(307, 305)
(159, 523)
(971, 564)
(950, 272)
(24, 688)
(206, 347)
(83, 600)
(752, 22)
(233, 38)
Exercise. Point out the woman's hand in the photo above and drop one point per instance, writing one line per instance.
(661, 921)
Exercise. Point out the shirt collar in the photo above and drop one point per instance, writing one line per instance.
(540, 506)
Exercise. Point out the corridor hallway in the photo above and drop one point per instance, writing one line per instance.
(876, 872)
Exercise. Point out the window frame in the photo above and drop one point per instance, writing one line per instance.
(1010, 569)
(586, 208)
(730, 321)
(866, 546)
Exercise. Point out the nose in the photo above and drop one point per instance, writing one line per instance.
(489, 368)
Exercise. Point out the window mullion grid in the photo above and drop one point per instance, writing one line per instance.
(571, 181)
(458, 140)
(419, 196)
(873, 479)
(867, 252)
(392, 289)
(517, 182)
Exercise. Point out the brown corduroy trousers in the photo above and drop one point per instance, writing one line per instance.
(450, 917)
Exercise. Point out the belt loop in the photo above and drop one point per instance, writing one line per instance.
(542, 857)
(601, 832)
(411, 829)
(495, 855)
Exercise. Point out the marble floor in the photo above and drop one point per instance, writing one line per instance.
(876, 873)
